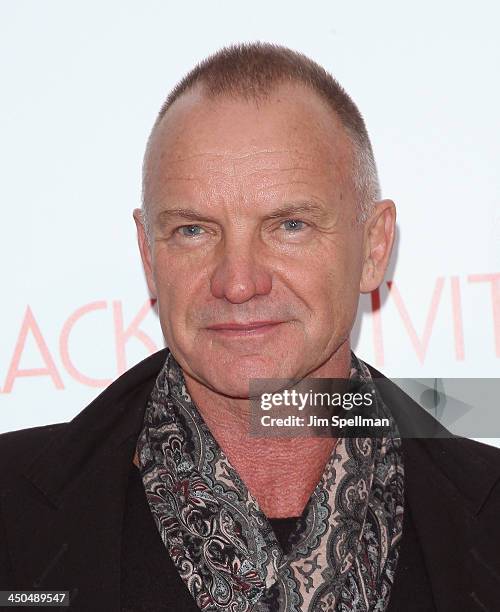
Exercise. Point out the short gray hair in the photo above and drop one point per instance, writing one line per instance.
(252, 71)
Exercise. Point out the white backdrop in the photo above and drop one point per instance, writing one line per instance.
(81, 85)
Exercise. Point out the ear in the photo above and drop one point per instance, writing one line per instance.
(145, 250)
(377, 244)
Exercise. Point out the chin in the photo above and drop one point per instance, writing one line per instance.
(234, 379)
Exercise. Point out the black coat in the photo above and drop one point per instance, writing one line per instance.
(63, 488)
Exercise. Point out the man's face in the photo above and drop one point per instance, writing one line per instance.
(253, 222)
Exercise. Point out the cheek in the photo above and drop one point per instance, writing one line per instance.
(334, 292)
(171, 275)
(166, 286)
(179, 293)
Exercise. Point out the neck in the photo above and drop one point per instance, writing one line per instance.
(280, 473)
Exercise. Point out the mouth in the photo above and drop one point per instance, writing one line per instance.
(252, 328)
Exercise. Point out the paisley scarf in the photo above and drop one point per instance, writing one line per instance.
(343, 550)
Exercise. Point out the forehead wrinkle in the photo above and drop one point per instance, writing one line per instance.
(231, 172)
(195, 177)
(253, 158)
(267, 169)
(181, 159)
(228, 187)
(292, 160)
(220, 161)
(263, 172)
(236, 155)
(286, 184)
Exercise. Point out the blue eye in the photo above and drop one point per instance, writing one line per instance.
(295, 224)
(189, 228)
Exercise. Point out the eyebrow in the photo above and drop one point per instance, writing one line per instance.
(288, 210)
(183, 213)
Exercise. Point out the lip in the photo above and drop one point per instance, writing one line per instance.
(250, 328)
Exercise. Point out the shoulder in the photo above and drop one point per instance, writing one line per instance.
(15, 445)
(17, 448)
(465, 467)
(454, 449)
(462, 458)
(470, 468)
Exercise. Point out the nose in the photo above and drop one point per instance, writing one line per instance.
(240, 272)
